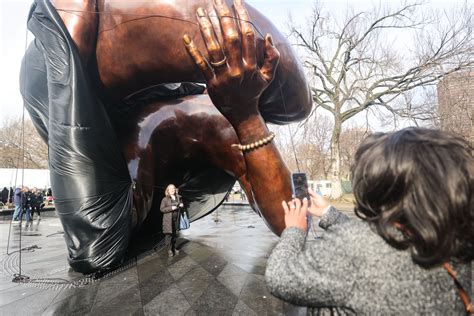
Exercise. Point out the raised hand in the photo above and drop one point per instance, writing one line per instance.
(234, 80)
(318, 203)
(295, 213)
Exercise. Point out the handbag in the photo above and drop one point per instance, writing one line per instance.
(183, 221)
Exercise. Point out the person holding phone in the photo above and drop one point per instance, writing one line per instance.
(170, 207)
(412, 251)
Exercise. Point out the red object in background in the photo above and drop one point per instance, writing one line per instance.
(48, 200)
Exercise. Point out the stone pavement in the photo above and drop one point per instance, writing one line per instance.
(219, 271)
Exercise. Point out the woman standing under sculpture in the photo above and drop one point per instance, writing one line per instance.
(170, 207)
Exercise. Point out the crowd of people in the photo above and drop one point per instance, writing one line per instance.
(27, 202)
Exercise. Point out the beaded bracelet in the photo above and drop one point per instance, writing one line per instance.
(258, 143)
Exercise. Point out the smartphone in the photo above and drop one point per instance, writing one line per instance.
(299, 184)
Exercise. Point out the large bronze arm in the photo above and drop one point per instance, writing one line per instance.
(138, 45)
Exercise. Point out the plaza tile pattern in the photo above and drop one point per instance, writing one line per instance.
(219, 271)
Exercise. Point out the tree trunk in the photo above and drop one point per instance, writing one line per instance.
(335, 166)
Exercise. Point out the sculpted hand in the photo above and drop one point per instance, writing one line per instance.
(295, 213)
(174, 207)
(318, 203)
(234, 80)
(181, 205)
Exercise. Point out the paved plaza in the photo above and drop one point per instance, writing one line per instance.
(219, 271)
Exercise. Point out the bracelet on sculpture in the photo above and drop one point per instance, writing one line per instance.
(258, 143)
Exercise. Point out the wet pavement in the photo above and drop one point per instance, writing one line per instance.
(219, 271)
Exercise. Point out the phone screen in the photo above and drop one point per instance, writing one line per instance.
(300, 185)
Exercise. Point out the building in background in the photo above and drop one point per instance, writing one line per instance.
(456, 103)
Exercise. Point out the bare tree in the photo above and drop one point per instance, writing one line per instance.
(14, 153)
(314, 147)
(305, 147)
(365, 62)
(285, 144)
(351, 137)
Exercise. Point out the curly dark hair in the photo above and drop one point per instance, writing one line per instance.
(422, 181)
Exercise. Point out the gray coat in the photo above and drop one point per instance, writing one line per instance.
(169, 215)
(350, 269)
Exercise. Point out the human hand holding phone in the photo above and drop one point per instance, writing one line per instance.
(318, 203)
(295, 213)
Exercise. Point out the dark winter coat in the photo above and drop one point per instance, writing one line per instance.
(18, 196)
(36, 199)
(12, 193)
(169, 215)
(4, 195)
(28, 199)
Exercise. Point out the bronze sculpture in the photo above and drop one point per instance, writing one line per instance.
(118, 42)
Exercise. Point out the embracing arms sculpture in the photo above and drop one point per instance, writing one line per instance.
(250, 79)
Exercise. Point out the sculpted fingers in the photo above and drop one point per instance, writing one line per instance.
(230, 34)
(272, 56)
(217, 58)
(248, 35)
(216, 24)
(198, 58)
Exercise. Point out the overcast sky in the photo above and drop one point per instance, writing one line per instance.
(13, 14)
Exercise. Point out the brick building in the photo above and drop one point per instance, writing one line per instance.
(456, 103)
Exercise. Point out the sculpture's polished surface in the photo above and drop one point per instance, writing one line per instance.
(138, 44)
(164, 140)
(190, 139)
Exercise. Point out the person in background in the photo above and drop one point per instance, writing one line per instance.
(11, 194)
(5, 195)
(170, 207)
(17, 202)
(27, 197)
(36, 203)
(412, 251)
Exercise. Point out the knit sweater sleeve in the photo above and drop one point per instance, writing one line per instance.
(315, 274)
(332, 217)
